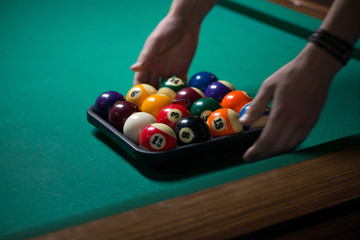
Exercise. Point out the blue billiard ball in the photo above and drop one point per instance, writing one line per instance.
(259, 123)
(201, 80)
(105, 102)
(218, 90)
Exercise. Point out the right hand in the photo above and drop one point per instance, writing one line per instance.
(168, 51)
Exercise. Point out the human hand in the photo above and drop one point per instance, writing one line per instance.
(168, 51)
(298, 92)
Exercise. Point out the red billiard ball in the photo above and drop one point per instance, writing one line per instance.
(120, 112)
(224, 121)
(171, 114)
(136, 123)
(190, 95)
(192, 129)
(105, 102)
(236, 100)
(158, 137)
(218, 89)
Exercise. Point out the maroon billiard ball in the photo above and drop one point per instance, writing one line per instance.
(190, 95)
(120, 112)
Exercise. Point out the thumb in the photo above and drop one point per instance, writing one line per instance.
(257, 106)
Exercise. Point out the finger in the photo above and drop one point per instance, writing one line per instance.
(154, 79)
(288, 139)
(141, 77)
(258, 105)
(152, 48)
(268, 137)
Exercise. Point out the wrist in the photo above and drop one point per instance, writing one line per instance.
(318, 60)
(190, 13)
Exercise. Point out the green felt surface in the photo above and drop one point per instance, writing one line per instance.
(57, 56)
(282, 17)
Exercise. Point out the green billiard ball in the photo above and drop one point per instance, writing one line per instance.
(204, 107)
(171, 86)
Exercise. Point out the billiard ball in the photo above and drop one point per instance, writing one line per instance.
(224, 121)
(260, 122)
(171, 86)
(190, 95)
(139, 93)
(236, 100)
(218, 89)
(171, 114)
(136, 123)
(203, 107)
(201, 80)
(192, 129)
(153, 104)
(105, 102)
(120, 112)
(158, 137)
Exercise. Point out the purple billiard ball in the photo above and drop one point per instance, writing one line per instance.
(201, 80)
(218, 90)
(190, 95)
(105, 102)
(120, 112)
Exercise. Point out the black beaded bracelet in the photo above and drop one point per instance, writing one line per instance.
(337, 47)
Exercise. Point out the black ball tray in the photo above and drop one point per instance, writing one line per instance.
(214, 148)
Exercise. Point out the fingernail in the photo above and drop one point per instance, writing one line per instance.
(244, 117)
(135, 66)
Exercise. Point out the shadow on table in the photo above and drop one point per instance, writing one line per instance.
(196, 164)
(174, 170)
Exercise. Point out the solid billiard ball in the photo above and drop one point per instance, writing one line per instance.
(218, 89)
(236, 100)
(139, 93)
(105, 102)
(171, 114)
(158, 137)
(190, 95)
(171, 86)
(120, 112)
(136, 123)
(224, 121)
(260, 122)
(153, 104)
(203, 107)
(192, 129)
(201, 80)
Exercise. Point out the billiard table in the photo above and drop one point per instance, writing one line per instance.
(62, 178)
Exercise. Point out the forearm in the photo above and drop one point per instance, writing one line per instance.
(191, 11)
(343, 20)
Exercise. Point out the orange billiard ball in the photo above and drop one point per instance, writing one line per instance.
(224, 121)
(153, 104)
(236, 100)
(139, 93)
